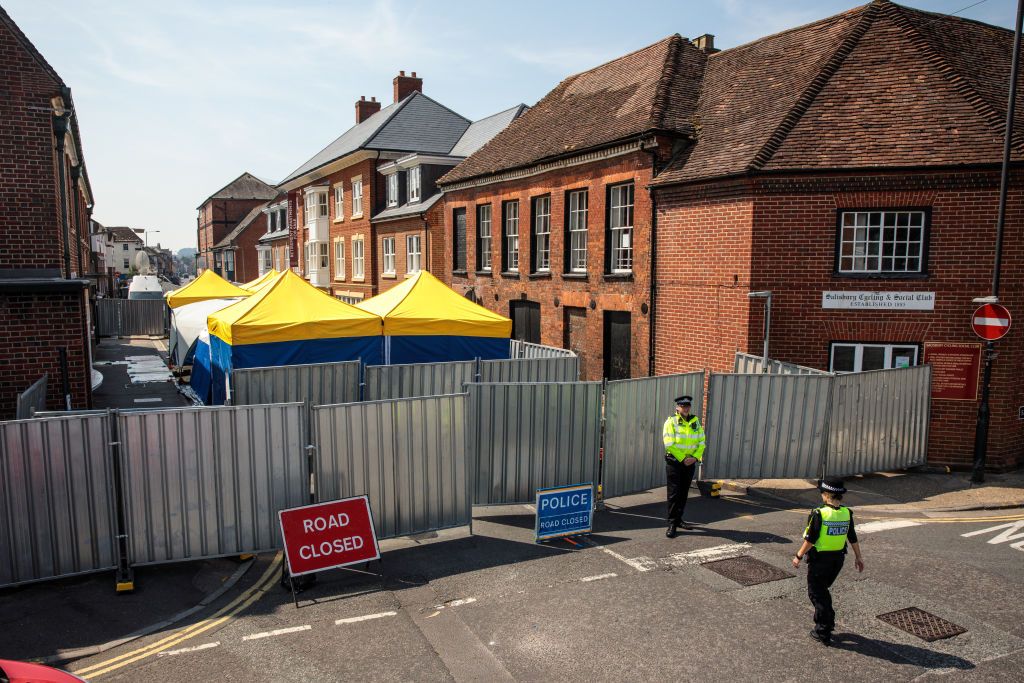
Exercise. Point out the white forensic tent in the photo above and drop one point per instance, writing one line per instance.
(187, 322)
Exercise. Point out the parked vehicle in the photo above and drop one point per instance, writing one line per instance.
(23, 672)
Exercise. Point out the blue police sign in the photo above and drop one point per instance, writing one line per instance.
(564, 511)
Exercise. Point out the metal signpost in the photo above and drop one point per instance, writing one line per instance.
(327, 536)
(564, 511)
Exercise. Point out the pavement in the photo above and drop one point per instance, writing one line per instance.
(899, 492)
(135, 374)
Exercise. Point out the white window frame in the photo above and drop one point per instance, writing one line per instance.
(578, 218)
(229, 261)
(858, 354)
(542, 233)
(509, 223)
(339, 258)
(387, 250)
(339, 202)
(620, 227)
(414, 182)
(873, 242)
(413, 254)
(324, 255)
(358, 259)
(266, 260)
(393, 189)
(357, 198)
(485, 237)
(277, 259)
(316, 205)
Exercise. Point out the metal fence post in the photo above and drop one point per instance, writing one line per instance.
(476, 371)
(599, 498)
(311, 449)
(124, 580)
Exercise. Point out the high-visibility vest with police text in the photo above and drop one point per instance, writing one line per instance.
(683, 437)
(835, 526)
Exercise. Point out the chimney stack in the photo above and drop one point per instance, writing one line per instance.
(705, 43)
(365, 110)
(405, 85)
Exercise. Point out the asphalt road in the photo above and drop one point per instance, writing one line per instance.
(625, 604)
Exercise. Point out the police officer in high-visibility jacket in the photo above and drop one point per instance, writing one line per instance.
(684, 447)
(829, 527)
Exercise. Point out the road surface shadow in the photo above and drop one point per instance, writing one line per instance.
(898, 653)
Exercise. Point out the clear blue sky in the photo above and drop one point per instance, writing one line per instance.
(175, 99)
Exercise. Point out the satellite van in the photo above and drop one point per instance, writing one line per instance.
(145, 285)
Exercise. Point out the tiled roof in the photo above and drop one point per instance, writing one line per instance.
(240, 228)
(276, 235)
(245, 186)
(122, 233)
(654, 88)
(416, 124)
(879, 86)
(406, 210)
(480, 132)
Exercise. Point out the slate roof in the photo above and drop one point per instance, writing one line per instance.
(415, 124)
(406, 210)
(480, 132)
(276, 235)
(654, 88)
(242, 225)
(878, 86)
(245, 186)
(122, 233)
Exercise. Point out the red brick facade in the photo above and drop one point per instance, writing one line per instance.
(718, 241)
(218, 217)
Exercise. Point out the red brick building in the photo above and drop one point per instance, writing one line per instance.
(550, 222)
(237, 252)
(272, 246)
(220, 214)
(365, 211)
(850, 167)
(44, 229)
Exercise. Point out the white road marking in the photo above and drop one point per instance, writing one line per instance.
(183, 650)
(1008, 534)
(718, 552)
(365, 617)
(884, 525)
(277, 632)
(641, 564)
(530, 507)
(149, 400)
(456, 603)
(610, 575)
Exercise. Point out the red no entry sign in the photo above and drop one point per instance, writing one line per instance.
(328, 535)
(991, 322)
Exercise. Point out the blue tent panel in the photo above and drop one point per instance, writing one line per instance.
(201, 371)
(445, 348)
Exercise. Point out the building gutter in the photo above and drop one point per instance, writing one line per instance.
(654, 263)
(60, 131)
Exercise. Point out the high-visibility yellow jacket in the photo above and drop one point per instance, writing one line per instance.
(683, 438)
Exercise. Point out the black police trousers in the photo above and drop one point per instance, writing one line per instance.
(678, 478)
(822, 570)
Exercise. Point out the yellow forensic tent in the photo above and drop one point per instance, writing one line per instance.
(425, 321)
(208, 285)
(255, 285)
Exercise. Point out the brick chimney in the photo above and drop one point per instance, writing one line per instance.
(365, 110)
(404, 85)
(705, 43)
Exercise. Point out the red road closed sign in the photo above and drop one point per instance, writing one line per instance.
(991, 322)
(328, 535)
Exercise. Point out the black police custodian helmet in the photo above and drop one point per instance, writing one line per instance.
(684, 401)
(831, 486)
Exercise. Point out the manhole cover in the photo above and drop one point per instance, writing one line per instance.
(924, 625)
(747, 570)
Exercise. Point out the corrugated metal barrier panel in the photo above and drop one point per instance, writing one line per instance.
(32, 400)
(750, 364)
(419, 379)
(529, 436)
(635, 413)
(766, 426)
(318, 383)
(131, 317)
(208, 482)
(879, 421)
(408, 456)
(561, 369)
(523, 349)
(56, 498)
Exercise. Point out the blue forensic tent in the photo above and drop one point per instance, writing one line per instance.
(425, 321)
(290, 322)
(202, 367)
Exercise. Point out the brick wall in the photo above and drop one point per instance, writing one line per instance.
(589, 295)
(247, 261)
(780, 234)
(28, 349)
(218, 217)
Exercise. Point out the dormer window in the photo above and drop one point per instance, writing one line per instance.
(414, 184)
(393, 189)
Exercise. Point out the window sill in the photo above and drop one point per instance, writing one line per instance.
(359, 279)
(618, 277)
(543, 275)
(880, 276)
(409, 275)
(510, 275)
(484, 273)
(340, 279)
(357, 215)
(460, 273)
(575, 276)
(388, 276)
(338, 220)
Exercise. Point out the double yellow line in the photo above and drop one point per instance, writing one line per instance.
(248, 597)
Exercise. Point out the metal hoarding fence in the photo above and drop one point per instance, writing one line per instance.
(635, 412)
(523, 349)
(318, 383)
(131, 317)
(767, 426)
(879, 421)
(409, 456)
(750, 364)
(419, 379)
(208, 482)
(559, 369)
(32, 400)
(524, 437)
(56, 498)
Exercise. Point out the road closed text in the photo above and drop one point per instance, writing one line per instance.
(334, 546)
(329, 535)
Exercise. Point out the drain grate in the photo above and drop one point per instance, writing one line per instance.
(747, 570)
(924, 625)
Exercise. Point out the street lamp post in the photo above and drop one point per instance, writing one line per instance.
(767, 296)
